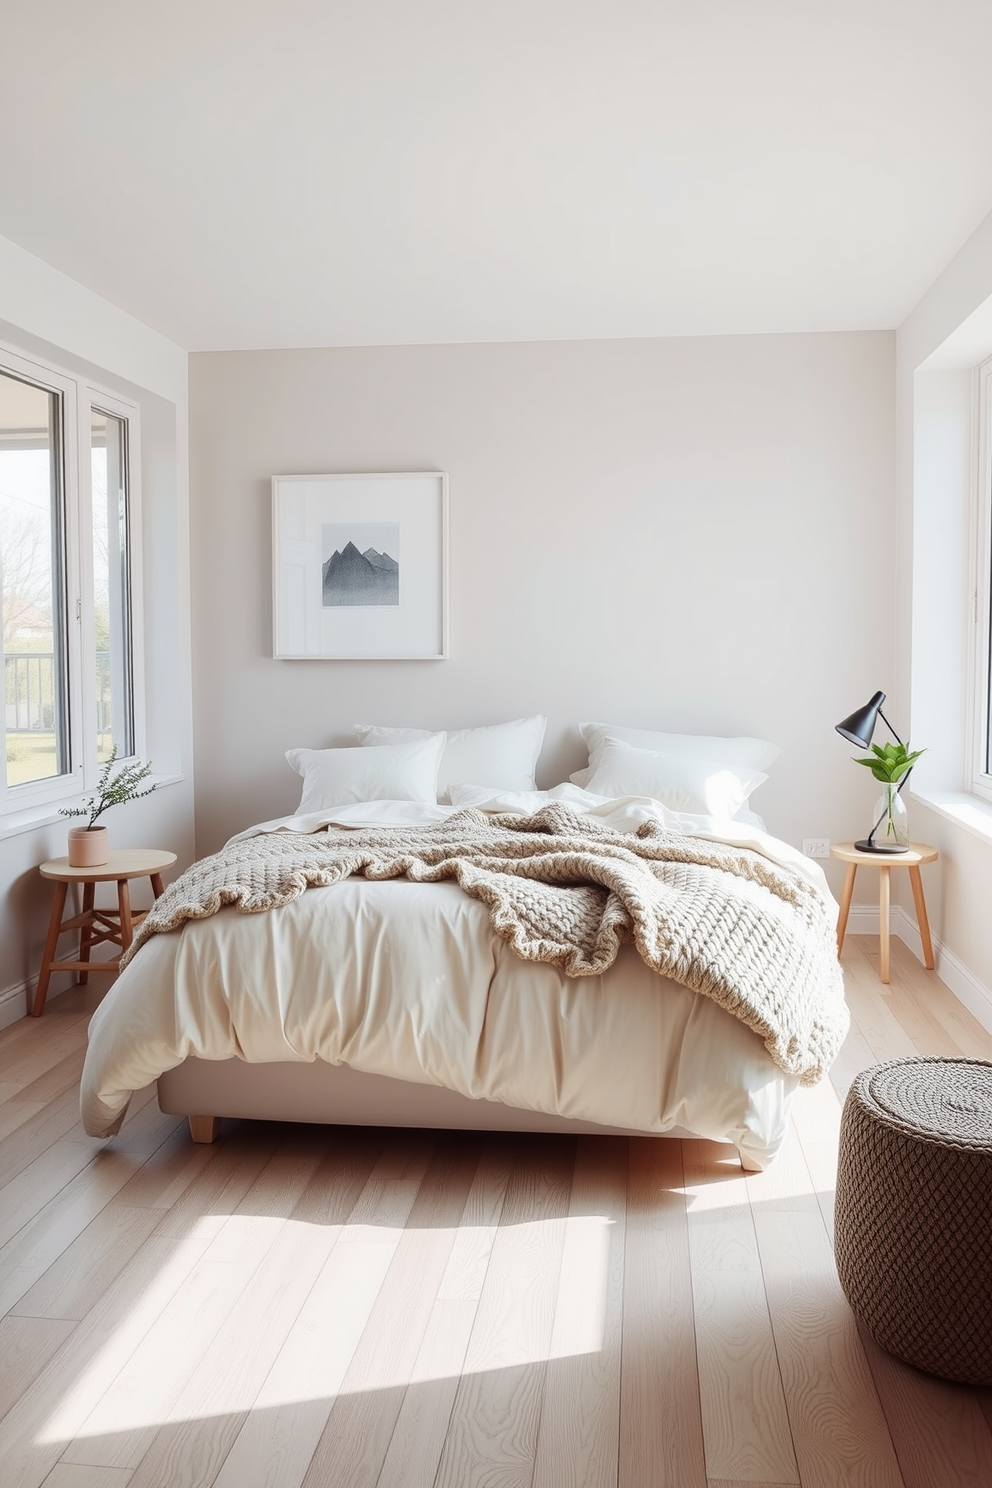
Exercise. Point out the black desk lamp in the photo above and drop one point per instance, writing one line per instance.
(858, 729)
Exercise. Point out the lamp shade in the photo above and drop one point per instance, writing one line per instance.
(859, 728)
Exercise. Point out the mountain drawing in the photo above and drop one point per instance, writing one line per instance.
(381, 560)
(354, 578)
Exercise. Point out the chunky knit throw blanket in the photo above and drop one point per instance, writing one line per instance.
(562, 888)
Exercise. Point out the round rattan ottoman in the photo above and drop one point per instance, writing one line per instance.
(913, 1232)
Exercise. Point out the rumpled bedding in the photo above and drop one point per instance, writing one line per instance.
(408, 980)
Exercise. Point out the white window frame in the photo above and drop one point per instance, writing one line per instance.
(979, 722)
(79, 397)
(106, 402)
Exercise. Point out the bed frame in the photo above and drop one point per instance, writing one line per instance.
(338, 1095)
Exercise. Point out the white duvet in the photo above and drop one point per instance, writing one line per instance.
(408, 980)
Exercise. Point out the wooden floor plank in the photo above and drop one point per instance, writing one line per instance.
(579, 1437)
(838, 1427)
(877, 1022)
(924, 987)
(661, 1432)
(417, 1441)
(855, 1055)
(492, 1435)
(289, 1412)
(34, 1434)
(43, 1239)
(70, 1475)
(816, 1113)
(61, 1077)
(215, 1404)
(940, 1434)
(42, 1054)
(55, 1119)
(26, 1345)
(76, 1280)
(355, 1439)
(123, 1423)
(14, 1114)
(745, 1423)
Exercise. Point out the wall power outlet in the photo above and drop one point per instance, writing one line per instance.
(816, 847)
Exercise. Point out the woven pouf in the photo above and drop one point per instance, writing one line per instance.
(913, 1233)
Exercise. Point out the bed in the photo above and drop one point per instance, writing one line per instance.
(391, 1001)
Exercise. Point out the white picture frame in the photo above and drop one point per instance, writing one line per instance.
(360, 566)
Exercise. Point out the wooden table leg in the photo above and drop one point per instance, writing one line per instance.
(124, 911)
(884, 899)
(48, 955)
(845, 905)
(921, 917)
(86, 933)
(157, 886)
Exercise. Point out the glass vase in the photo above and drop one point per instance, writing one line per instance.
(892, 831)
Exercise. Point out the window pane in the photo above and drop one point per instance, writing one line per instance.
(111, 602)
(30, 576)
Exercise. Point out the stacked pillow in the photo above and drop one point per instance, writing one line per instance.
(502, 756)
(339, 777)
(696, 773)
(699, 773)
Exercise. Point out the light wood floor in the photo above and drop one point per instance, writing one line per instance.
(304, 1306)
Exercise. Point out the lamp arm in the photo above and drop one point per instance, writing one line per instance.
(889, 727)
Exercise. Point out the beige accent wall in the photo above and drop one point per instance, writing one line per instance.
(689, 534)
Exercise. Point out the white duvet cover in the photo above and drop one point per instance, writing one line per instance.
(408, 980)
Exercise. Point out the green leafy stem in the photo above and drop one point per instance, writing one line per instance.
(890, 762)
(113, 789)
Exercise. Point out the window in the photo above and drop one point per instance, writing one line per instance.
(66, 531)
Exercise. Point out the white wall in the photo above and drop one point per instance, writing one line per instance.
(46, 314)
(948, 333)
(681, 533)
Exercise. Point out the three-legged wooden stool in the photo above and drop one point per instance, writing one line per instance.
(917, 853)
(96, 925)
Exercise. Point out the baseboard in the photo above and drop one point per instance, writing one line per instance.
(14, 1002)
(967, 988)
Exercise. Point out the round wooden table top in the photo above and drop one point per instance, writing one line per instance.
(916, 853)
(123, 862)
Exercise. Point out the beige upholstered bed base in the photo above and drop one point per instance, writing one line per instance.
(338, 1095)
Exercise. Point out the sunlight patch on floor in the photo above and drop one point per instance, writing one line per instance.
(139, 1376)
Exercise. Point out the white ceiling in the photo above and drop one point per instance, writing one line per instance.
(247, 173)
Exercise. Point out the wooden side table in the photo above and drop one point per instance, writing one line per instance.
(917, 853)
(96, 925)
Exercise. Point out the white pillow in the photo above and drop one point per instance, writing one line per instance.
(398, 772)
(752, 754)
(502, 755)
(703, 787)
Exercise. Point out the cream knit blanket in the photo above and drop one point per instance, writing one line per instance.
(565, 889)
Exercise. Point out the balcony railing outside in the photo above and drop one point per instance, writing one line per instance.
(29, 692)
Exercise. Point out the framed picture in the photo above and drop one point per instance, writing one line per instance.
(360, 566)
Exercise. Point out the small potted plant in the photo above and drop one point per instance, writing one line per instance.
(890, 764)
(88, 846)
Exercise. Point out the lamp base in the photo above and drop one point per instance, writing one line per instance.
(867, 846)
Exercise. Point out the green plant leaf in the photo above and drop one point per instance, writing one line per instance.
(890, 762)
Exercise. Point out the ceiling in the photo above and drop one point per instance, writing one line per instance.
(241, 173)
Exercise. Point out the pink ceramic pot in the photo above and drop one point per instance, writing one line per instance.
(89, 847)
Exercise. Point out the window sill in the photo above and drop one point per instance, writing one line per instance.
(33, 818)
(967, 811)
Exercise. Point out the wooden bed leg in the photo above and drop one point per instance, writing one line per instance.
(747, 1161)
(204, 1128)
